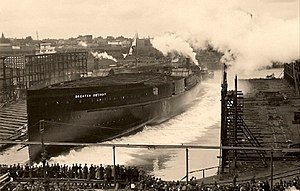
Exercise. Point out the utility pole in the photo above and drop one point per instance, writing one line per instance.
(223, 152)
(187, 164)
(114, 161)
(4, 79)
(44, 157)
(271, 171)
(296, 81)
(235, 105)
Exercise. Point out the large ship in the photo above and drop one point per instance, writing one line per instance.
(112, 104)
(95, 109)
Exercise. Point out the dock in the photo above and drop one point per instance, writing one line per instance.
(261, 112)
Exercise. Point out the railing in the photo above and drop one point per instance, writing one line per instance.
(157, 146)
(284, 174)
(203, 171)
(4, 179)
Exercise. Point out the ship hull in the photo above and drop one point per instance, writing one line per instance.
(99, 125)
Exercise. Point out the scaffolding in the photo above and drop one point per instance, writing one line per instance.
(234, 130)
(18, 73)
(292, 74)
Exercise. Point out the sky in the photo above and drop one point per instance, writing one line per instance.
(70, 18)
(250, 33)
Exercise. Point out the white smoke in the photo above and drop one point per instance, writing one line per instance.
(257, 41)
(82, 43)
(291, 189)
(103, 55)
(249, 36)
(174, 44)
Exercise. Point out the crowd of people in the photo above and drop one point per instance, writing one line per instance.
(197, 185)
(75, 171)
(93, 177)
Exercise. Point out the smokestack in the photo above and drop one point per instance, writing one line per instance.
(188, 61)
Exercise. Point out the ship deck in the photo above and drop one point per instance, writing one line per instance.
(114, 80)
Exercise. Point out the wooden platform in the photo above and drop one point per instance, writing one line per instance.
(267, 110)
(13, 120)
(269, 106)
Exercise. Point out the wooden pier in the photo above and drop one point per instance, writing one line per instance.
(262, 116)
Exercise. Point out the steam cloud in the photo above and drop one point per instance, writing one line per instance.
(103, 55)
(291, 189)
(254, 42)
(250, 39)
(82, 43)
(171, 43)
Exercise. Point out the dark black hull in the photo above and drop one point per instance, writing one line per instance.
(99, 125)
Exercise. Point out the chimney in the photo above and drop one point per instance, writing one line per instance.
(188, 63)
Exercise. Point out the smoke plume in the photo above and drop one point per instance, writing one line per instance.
(103, 55)
(171, 43)
(251, 42)
(248, 36)
(82, 43)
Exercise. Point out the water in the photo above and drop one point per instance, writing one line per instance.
(200, 124)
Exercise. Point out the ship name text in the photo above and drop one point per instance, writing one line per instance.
(89, 95)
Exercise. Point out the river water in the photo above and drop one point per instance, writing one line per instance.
(200, 124)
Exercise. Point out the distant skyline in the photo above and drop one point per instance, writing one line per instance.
(70, 18)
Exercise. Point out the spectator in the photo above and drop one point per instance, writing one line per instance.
(101, 169)
(85, 171)
(133, 175)
(108, 172)
(97, 175)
